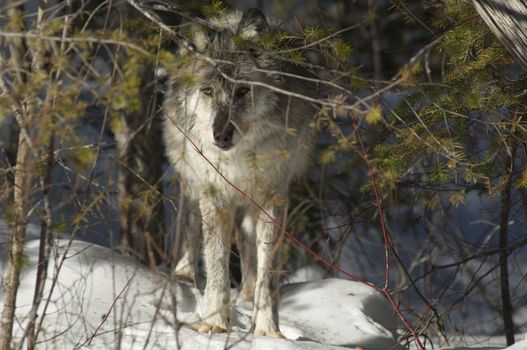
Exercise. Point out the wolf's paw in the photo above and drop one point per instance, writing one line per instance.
(184, 274)
(264, 324)
(205, 328)
(268, 333)
(202, 327)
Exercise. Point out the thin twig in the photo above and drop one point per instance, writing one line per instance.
(107, 314)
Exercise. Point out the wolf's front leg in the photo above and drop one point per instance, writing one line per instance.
(246, 242)
(217, 229)
(265, 317)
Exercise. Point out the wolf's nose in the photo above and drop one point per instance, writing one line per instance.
(223, 137)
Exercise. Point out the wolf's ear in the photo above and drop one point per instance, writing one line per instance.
(252, 24)
(197, 38)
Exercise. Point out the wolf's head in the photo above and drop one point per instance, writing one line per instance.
(227, 97)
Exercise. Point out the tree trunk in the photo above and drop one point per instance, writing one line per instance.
(507, 19)
(22, 181)
(375, 43)
(16, 251)
(504, 253)
(17, 59)
(44, 247)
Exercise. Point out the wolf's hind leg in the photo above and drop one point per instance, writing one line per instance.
(186, 267)
(217, 229)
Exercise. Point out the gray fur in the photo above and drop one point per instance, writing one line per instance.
(270, 145)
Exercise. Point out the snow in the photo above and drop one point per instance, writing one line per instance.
(521, 345)
(305, 274)
(322, 314)
(102, 299)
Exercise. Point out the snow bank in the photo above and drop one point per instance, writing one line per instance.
(521, 345)
(101, 299)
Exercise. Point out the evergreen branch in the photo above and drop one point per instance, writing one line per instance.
(35, 36)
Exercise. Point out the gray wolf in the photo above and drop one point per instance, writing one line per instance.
(225, 119)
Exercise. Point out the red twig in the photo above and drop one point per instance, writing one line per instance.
(385, 236)
(377, 203)
(315, 255)
(105, 317)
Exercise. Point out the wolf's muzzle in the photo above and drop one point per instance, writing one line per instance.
(223, 132)
(223, 137)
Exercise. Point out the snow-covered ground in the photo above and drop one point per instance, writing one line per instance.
(102, 299)
(324, 314)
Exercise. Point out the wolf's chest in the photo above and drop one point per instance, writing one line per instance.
(250, 172)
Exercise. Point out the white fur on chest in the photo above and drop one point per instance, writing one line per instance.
(258, 170)
(255, 173)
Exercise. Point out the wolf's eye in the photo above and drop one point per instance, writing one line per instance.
(207, 91)
(242, 91)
